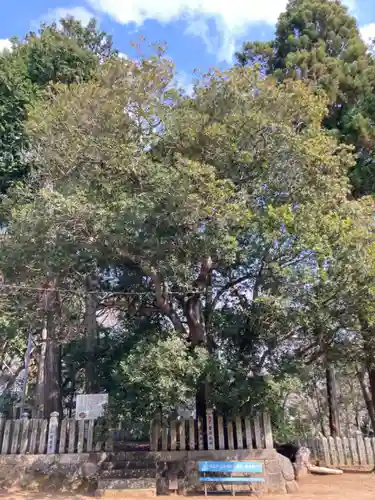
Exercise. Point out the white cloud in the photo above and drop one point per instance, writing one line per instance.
(5, 44)
(368, 33)
(230, 18)
(80, 13)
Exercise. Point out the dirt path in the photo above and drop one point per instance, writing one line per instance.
(346, 487)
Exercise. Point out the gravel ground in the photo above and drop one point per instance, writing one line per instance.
(345, 487)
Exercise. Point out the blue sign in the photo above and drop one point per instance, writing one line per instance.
(230, 467)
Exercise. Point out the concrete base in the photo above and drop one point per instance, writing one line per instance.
(79, 472)
(278, 470)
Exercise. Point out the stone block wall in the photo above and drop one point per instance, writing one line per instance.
(53, 472)
(183, 466)
(79, 472)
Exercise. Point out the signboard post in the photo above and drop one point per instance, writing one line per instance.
(210, 429)
(90, 406)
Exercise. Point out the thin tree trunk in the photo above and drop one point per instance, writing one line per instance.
(366, 396)
(91, 335)
(52, 401)
(41, 373)
(371, 379)
(319, 411)
(333, 410)
(49, 370)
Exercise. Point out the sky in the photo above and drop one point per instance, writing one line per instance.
(199, 33)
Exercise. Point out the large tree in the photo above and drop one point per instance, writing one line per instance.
(186, 203)
(319, 42)
(65, 53)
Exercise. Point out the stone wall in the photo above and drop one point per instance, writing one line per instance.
(66, 472)
(182, 469)
(79, 472)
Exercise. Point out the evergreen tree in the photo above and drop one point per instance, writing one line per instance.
(319, 42)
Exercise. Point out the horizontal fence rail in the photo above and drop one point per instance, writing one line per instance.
(213, 433)
(48, 436)
(342, 451)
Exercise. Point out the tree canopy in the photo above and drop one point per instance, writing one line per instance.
(318, 42)
(194, 250)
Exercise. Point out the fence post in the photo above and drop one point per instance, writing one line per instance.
(220, 429)
(164, 436)
(2, 426)
(239, 434)
(249, 438)
(200, 434)
(16, 437)
(6, 437)
(155, 434)
(257, 433)
(109, 440)
(52, 433)
(174, 435)
(191, 434)
(90, 435)
(268, 438)
(230, 435)
(182, 435)
(210, 429)
(24, 433)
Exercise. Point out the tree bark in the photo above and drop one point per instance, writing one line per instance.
(49, 390)
(195, 318)
(368, 335)
(91, 334)
(333, 410)
(366, 396)
(52, 401)
(39, 403)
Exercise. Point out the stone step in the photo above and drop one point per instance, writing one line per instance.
(131, 447)
(128, 473)
(133, 455)
(136, 456)
(128, 464)
(125, 494)
(127, 484)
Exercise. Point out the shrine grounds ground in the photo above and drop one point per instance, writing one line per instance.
(345, 487)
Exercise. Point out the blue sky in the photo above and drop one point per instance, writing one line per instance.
(199, 33)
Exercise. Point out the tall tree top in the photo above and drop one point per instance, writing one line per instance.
(66, 52)
(319, 41)
(59, 53)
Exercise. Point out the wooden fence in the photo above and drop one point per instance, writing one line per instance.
(342, 451)
(48, 436)
(213, 433)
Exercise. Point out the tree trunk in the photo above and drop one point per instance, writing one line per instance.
(368, 338)
(366, 396)
(333, 410)
(39, 402)
(52, 401)
(198, 337)
(371, 378)
(320, 413)
(91, 335)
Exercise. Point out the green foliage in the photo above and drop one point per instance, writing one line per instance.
(217, 226)
(173, 371)
(65, 53)
(319, 42)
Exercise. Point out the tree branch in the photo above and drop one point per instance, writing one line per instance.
(162, 302)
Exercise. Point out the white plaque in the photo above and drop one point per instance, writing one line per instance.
(90, 406)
